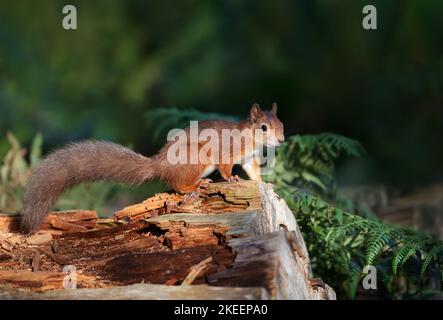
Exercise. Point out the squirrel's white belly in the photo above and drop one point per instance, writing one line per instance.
(250, 156)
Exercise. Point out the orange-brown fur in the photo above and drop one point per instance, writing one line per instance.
(99, 160)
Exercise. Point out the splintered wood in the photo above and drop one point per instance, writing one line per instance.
(217, 198)
(227, 236)
(131, 253)
(74, 220)
(151, 207)
(108, 254)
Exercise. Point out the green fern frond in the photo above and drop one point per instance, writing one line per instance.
(330, 145)
(350, 225)
(386, 277)
(351, 234)
(307, 161)
(431, 255)
(402, 255)
(376, 241)
(355, 275)
(161, 120)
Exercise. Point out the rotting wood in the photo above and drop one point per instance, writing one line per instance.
(232, 197)
(269, 261)
(195, 271)
(154, 253)
(39, 238)
(249, 235)
(143, 292)
(217, 198)
(149, 208)
(73, 220)
(44, 280)
(35, 264)
(161, 268)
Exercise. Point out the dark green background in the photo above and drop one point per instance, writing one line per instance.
(383, 87)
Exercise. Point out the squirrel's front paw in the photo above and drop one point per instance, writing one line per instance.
(234, 178)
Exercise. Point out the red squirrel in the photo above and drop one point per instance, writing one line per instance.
(89, 161)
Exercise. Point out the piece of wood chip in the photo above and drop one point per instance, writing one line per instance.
(35, 264)
(5, 257)
(4, 244)
(53, 257)
(67, 226)
(148, 208)
(39, 238)
(171, 281)
(195, 271)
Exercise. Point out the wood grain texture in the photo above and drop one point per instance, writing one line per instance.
(142, 292)
(247, 236)
(72, 220)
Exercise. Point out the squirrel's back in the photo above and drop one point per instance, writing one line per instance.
(76, 163)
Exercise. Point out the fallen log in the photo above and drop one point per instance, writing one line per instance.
(237, 236)
(142, 292)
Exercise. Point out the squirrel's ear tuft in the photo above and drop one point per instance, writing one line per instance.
(274, 108)
(256, 112)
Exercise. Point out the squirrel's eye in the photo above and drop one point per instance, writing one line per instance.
(264, 127)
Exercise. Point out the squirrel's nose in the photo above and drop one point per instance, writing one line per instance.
(281, 140)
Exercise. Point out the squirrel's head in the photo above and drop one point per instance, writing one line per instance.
(267, 122)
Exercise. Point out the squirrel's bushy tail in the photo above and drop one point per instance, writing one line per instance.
(79, 162)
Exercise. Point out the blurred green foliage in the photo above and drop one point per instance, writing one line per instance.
(383, 87)
(308, 161)
(15, 169)
(14, 172)
(342, 240)
(161, 120)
